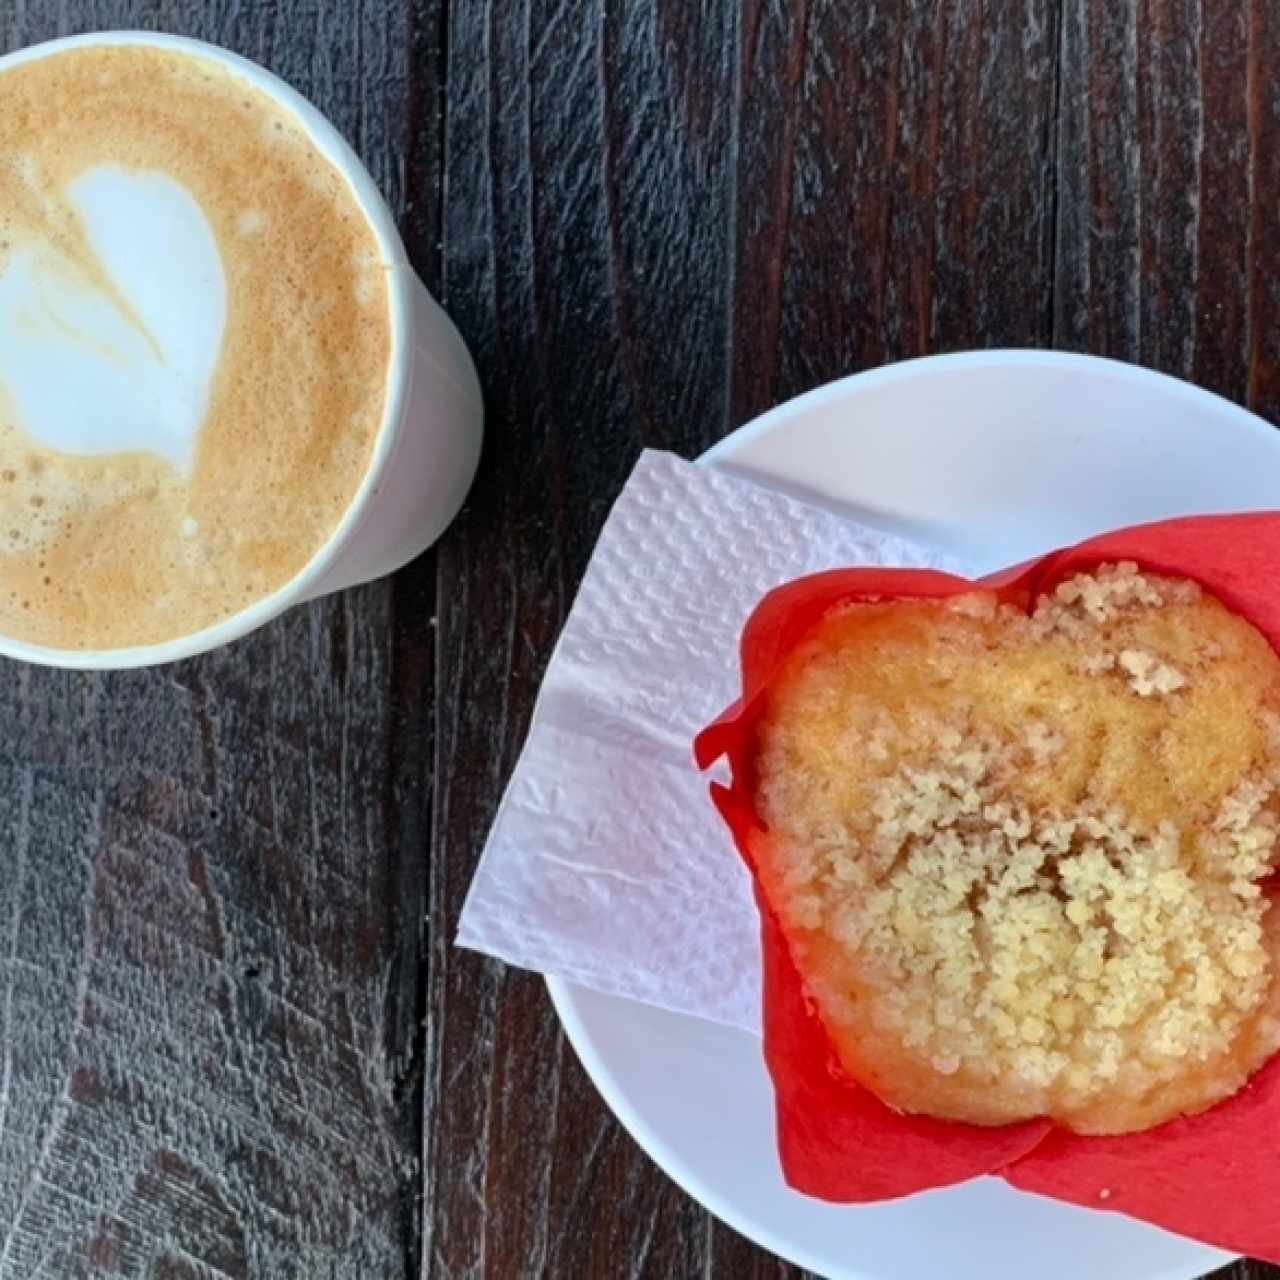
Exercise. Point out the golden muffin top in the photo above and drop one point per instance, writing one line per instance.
(1018, 857)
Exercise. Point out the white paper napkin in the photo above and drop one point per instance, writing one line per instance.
(607, 864)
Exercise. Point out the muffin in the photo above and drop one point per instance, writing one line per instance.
(1020, 859)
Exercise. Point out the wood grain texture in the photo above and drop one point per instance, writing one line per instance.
(211, 875)
(1168, 176)
(1166, 252)
(586, 151)
(895, 186)
(235, 1039)
(661, 218)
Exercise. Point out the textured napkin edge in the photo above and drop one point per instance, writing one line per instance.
(524, 942)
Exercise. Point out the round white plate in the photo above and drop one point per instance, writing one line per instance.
(993, 457)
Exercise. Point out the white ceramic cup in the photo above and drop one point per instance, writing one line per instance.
(428, 446)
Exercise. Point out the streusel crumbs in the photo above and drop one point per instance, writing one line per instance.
(1019, 858)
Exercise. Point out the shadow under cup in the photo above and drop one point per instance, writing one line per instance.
(426, 450)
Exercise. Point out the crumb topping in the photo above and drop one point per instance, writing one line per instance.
(1148, 674)
(1056, 943)
(1010, 914)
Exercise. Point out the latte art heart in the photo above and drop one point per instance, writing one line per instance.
(131, 324)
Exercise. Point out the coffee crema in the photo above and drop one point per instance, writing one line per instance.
(194, 345)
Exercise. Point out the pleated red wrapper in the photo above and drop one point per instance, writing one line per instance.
(1214, 1176)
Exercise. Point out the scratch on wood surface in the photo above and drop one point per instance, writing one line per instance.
(200, 702)
(893, 125)
(741, 63)
(1254, 284)
(924, 280)
(1132, 169)
(772, 108)
(21, 838)
(1196, 41)
(37, 1159)
(550, 1096)
(619, 296)
(794, 84)
(570, 1206)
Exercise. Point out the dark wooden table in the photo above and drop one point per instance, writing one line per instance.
(234, 1037)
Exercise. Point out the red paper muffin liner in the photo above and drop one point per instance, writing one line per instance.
(1214, 1176)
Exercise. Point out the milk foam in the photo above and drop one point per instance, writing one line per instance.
(195, 338)
(117, 354)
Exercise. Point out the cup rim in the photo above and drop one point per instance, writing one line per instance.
(325, 136)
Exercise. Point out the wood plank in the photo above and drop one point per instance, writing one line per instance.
(211, 875)
(660, 219)
(586, 259)
(1166, 181)
(895, 186)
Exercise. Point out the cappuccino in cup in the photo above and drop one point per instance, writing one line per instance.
(195, 340)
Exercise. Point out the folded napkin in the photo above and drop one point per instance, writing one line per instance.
(606, 864)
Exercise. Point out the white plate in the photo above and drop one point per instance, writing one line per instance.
(993, 457)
